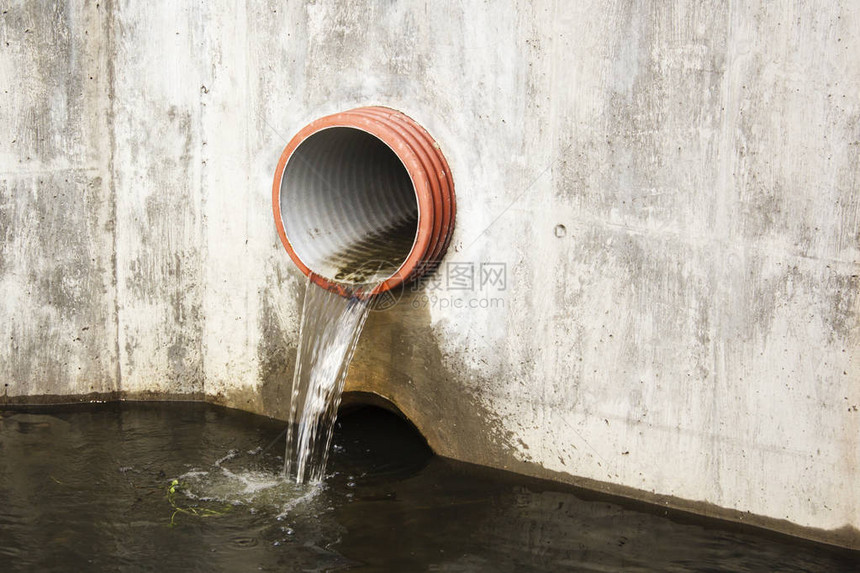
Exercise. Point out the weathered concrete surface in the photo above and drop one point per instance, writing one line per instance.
(673, 188)
(57, 295)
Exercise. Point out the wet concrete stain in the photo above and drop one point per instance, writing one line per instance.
(399, 359)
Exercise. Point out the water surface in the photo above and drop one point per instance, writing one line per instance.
(87, 488)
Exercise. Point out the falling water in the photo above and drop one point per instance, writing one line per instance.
(330, 328)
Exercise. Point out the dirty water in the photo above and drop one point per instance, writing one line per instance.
(195, 487)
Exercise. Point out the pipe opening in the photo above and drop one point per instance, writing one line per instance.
(364, 197)
(353, 211)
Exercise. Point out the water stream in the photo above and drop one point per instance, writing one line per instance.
(330, 327)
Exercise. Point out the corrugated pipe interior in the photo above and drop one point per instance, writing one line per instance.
(363, 197)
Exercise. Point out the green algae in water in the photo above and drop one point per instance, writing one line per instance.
(86, 489)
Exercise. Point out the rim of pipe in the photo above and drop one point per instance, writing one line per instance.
(418, 155)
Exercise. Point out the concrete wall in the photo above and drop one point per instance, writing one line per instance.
(671, 186)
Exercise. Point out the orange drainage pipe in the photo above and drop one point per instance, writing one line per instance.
(363, 197)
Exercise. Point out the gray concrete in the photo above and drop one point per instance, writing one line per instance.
(673, 188)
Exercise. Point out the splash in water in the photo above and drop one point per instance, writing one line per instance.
(330, 328)
(244, 479)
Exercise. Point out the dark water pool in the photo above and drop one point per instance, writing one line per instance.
(89, 489)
